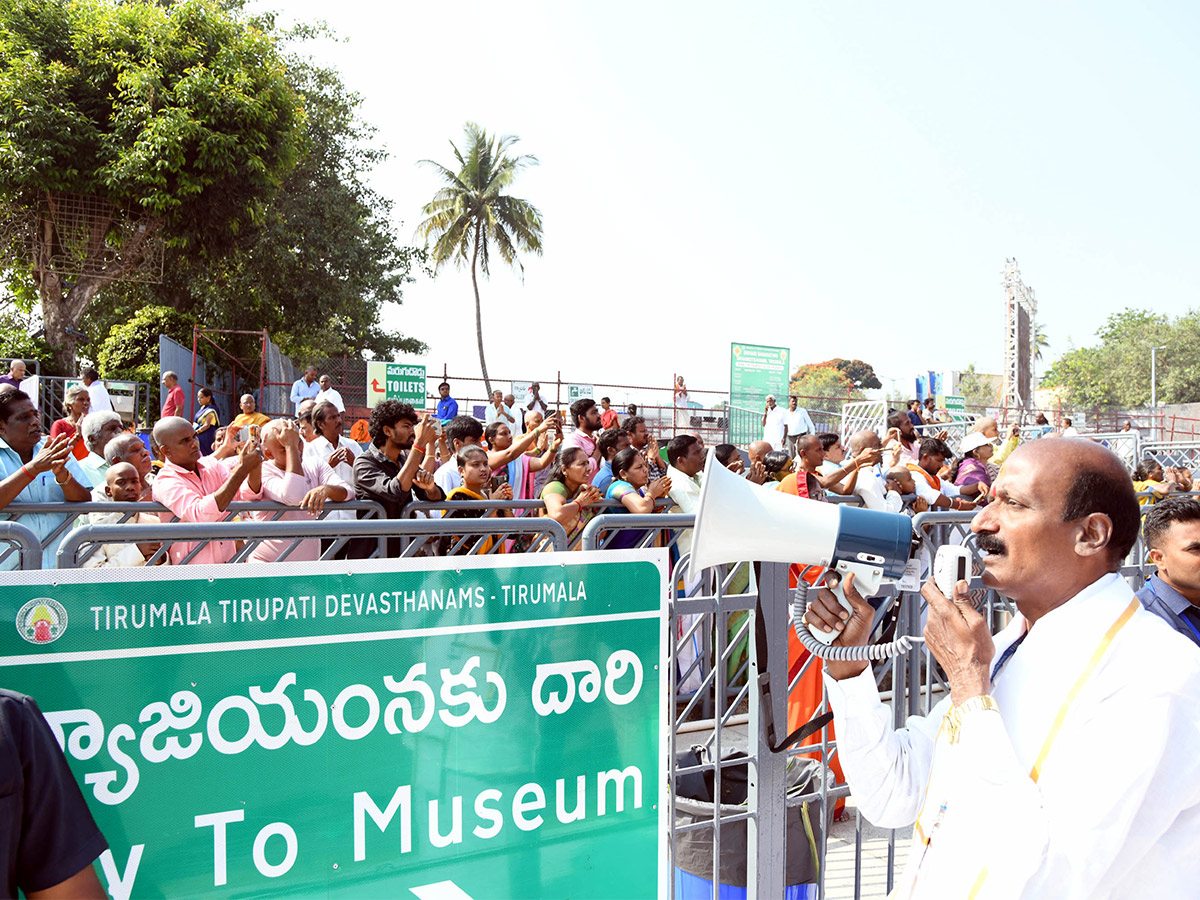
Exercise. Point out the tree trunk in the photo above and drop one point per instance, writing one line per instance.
(62, 314)
(487, 381)
(63, 305)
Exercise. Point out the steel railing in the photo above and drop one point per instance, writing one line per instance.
(381, 529)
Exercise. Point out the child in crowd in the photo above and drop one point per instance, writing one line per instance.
(478, 484)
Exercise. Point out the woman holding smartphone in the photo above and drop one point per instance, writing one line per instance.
(569, 496)
(637, 493)
(518, 474)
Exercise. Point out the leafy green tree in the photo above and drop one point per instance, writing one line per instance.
(177, 123)
(322, 263)
(471, 214)
(17, 330)
(858, 373)
(978, 389)
(1117, 370)
(825, 386)
(130, 351)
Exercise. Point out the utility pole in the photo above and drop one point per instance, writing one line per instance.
(1154, 390)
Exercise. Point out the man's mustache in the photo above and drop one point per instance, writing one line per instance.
(991, 544)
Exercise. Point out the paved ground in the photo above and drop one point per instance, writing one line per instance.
(839, 860)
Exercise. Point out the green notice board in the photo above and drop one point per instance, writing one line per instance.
(754, 372)
(396, 381)
(956, 406)
(467, 727)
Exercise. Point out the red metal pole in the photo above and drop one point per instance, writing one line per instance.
(262, 371)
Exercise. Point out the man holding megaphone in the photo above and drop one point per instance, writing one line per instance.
(1012, 787)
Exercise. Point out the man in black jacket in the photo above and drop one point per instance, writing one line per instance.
(48, 839)
(390, 470)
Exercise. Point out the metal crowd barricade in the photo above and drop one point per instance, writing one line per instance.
(21, 540)
(522, 508)
(381, 529)
(1171, 453)
(73, 512)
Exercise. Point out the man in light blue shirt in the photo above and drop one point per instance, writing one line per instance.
(305, 388)
(33, 470)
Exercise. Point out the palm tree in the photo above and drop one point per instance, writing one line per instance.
(1040, 341)
(471, 214)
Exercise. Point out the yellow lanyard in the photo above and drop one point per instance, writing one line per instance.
(1035, 773)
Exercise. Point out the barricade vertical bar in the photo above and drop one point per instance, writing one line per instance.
(767, 827)
(26, 543)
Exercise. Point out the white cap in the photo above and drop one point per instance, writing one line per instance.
(973, 441)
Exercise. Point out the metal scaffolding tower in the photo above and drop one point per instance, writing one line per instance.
(1020, 317)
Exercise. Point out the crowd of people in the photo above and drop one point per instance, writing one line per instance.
(1052, 545)
(568, 470)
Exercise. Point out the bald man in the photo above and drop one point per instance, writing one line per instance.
(199, 489)
(871, 487)
(758, 451)
(1012, 751)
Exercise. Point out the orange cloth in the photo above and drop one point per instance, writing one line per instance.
(359, 432)
(805, 699)
(79, 449)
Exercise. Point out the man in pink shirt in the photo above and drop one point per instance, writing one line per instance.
(290, 479)
(199, 489)
(586, 417)
(173, 405)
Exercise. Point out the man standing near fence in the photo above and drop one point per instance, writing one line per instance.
(447, 406)
(97, 391)
(1006, 779)
(291, 479)
(797, 423)
(774, 424)
(305, 388)
(173, 405)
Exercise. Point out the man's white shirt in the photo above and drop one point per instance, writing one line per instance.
(685, 494)
(930, 494)
(798, 422)
(319, 449)
(1115, 812)
(774, 426)
(871, 488)
(331, 396)
(98, 394)
(493, 415)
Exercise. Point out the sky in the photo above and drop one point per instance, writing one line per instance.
(840, 179)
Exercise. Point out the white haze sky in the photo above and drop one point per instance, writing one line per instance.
(842, 179)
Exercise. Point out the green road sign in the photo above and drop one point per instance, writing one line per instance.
(956, 406)
(754, 372)
(396, 381)
(579, 392)
(467, 727)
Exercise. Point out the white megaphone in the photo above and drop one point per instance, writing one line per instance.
(739, 521)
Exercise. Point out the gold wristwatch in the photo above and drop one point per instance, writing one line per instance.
(954, 718)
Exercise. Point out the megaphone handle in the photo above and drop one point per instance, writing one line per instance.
(867, 580)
